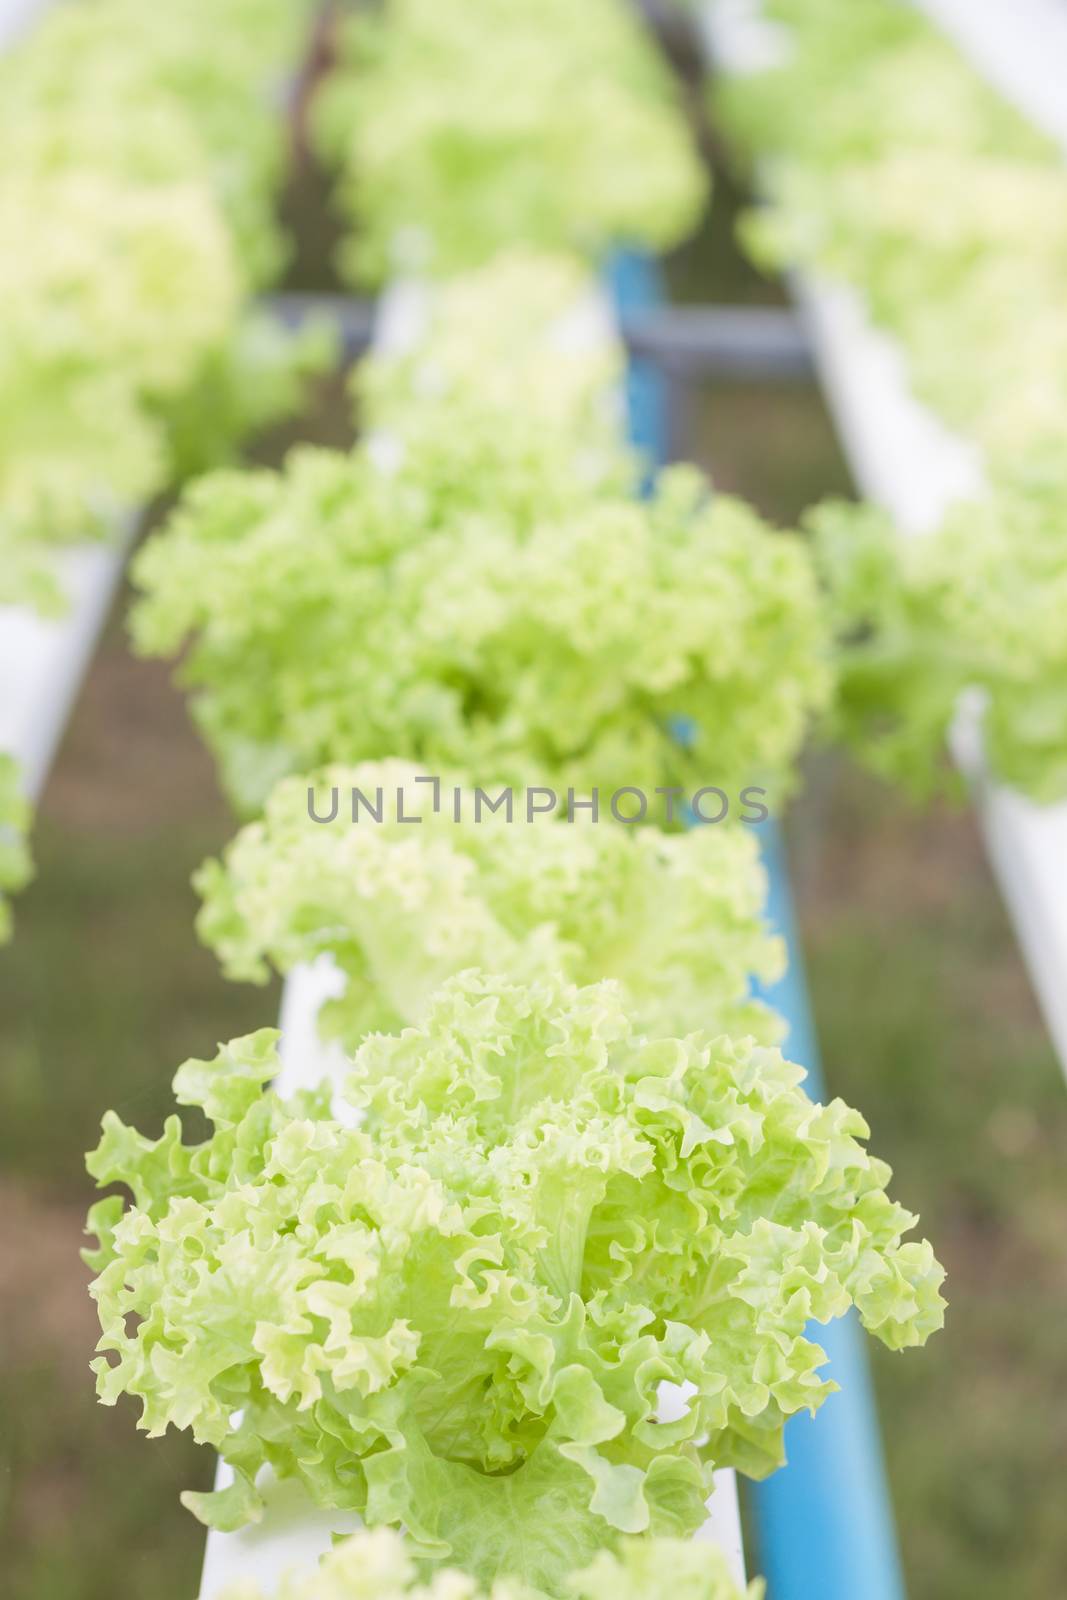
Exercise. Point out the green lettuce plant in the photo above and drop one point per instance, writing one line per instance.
(515, 375)
(140, 178)
(376, 1565)
(677, 918)
(191, 94)
(449, 1300)
(977, 606)
(340, 612)
(461, 129)
(113, 295)
(918, 186)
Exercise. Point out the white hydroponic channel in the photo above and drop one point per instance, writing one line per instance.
(905, 459)
(43, 659)
(293, 1533)
(16, 16)
(1019, 46)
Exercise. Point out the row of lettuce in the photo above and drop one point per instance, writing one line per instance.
(559, 1167)
(889, 165)
(142, 158)
(134, 359)
(143, 153)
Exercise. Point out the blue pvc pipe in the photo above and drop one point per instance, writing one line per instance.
(635, 285)
(824, 1522)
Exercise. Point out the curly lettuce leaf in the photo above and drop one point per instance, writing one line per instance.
(677, 918)
(513, 373)
(454, 1311)
(976, 606)
(560, 651)
(555, 631)
(112, 295)
(134, 94)
(458, 130)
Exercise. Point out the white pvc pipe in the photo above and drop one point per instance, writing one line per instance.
(1019, 46)
(15, 17)
(43, 660)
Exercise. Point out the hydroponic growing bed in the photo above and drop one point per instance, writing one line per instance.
(514, 1248)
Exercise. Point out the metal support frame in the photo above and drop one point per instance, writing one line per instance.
(693, 343)
(354, 320)
(756, 344)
